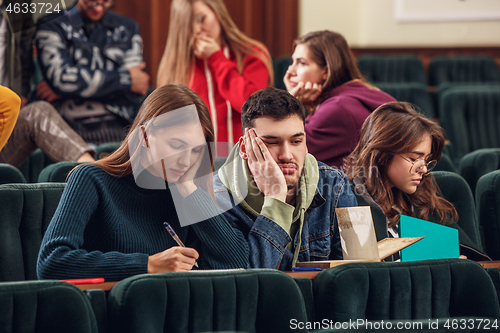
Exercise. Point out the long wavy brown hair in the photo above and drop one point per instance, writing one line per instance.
(164, 99)
(328, 48)
(397, 128)
(178, 58)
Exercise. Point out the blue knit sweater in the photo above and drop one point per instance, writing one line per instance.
(107, 227)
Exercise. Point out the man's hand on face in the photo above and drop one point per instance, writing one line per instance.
(264, 169)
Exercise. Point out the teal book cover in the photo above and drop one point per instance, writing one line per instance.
(440, 241)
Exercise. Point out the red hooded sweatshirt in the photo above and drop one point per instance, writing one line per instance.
(230, 90)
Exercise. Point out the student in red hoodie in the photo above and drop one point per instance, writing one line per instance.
(208, 53)
(325, 78)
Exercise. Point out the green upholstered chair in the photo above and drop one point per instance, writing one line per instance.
(442, 288)
(488, 207)
(25, 212)
(456, 190)
(445, 164)
(106, 149)
(34, 164)
(463, 69)
(478, 163)
(44, 306)
(57, 172)
(10, 174)
(470, 116)
(412, 92)
(392, 68)
(252, 300)
(280, 66)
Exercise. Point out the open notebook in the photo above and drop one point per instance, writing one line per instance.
(359, 242)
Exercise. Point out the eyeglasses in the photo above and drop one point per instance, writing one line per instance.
(418, 165)
(94, 3)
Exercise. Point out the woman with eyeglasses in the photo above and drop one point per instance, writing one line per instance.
(390, 170)
(207, 52)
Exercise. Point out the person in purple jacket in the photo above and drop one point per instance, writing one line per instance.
(325, 78)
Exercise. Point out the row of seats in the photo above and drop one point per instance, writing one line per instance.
(442, 69)
(32, 170)
(240, 300)
(261, 300)
(470, 117)
(471, 167)
(26, 211)
(488, 207)
(405, 79)
(407, 68)
(459, 190)
(469, 114)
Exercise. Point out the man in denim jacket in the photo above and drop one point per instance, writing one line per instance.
(91, 59)
(277, 194)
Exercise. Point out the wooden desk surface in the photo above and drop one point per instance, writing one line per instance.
(108, 285)
(494, 263)
(305, 274)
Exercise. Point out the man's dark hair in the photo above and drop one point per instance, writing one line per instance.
(270, 102)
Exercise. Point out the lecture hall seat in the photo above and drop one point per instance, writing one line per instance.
(488, 206)
(45, 306)
(478, 163)
(470, 116)
(375, 291)
(402, 68)
(252, 300)
(25, 213)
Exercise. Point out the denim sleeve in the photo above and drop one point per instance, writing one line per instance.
(267, 241)
(90, 78)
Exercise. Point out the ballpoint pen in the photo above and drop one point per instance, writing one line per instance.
(298, 269)
(176, 238)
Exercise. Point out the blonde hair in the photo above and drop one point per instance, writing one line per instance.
(178, 58)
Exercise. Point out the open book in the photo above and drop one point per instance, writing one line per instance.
(359, 242)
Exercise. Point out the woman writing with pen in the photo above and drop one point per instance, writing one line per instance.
(109, 222)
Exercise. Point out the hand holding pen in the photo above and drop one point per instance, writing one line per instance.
(175, 237)
(174, 259)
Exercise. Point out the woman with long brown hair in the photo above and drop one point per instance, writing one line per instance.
(325, 78)
(208, 53)
(390, 171)
(110, 220)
